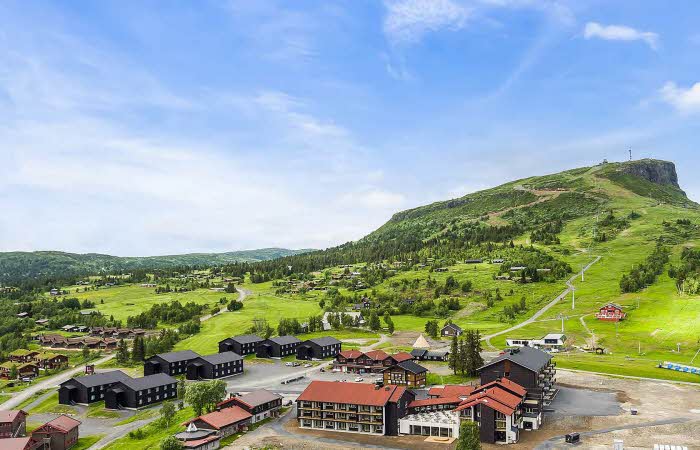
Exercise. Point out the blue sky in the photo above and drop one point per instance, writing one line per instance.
(142, 128)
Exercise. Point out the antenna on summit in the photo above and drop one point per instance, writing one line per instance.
(630, 150)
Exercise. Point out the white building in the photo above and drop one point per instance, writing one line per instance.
(553, 342)
(438, 423)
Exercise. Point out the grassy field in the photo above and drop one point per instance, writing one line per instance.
(50, 405)
(268, 306)
(154, 433)
(124, 301)
(86, 442)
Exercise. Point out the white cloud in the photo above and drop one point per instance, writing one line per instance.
(620, 33)
(407, 21)
(685, 100)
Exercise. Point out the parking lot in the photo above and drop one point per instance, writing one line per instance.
(574, 402)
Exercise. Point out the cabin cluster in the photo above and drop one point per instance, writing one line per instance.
(282, 346)
(231, 416)
(60, 433)
(76, 343)
(514, 389)
(398, 369)
(28, 363)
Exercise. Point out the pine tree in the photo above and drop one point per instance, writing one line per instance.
(468, 436)
(122, 352)
(452, 362)
(464, 362)
(476, 348)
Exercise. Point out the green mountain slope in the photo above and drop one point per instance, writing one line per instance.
(17, 265)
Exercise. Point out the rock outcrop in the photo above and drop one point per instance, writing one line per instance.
(659, 172)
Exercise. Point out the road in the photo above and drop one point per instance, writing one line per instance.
(48, 383)
(242, 294)
(534, 317)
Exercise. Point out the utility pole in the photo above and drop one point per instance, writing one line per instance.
(630, 150)
(573, 297)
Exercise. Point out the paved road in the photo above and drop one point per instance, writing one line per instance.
(567, 291)
(242, 294)
(48, 383)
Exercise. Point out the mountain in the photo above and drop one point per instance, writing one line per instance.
(17, 265)
(531, 202)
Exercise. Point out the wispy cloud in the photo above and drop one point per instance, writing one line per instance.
(685, 100)
(620, 33)
(407, 21)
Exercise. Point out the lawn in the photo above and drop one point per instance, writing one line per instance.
(145, 414)
(50, 405)
(85, 442)
(271, 307)
(129, 300)
(435, 379)
(153, 433)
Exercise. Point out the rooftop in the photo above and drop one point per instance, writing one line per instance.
(284, 340)
(101, 378)
(325, 341)
(10, 416)
(352, 393)
(528, 357)
(64, 423)
(182, 355)
(224, 417)
(223, 357)
(247, 338)
(148, 382)
(258, 397)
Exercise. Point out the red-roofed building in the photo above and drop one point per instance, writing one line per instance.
(354, 361)
(261, 404)
(612, 312)
(434, 404)
(20, 443)
(497, 409)
(402, 356)
(451, 390)
(226, 421)
(353, 407)
(61, 433)
(13, 423)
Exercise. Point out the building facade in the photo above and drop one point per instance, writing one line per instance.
(173, 363)
(353, 407)
(245, 344)
(319, 348)
(260, 404)
(611, 312)
(406, 373)
(90, 388)
(13, 424)
(277, 347)
(61, 433)
(136, 393)
(218, 365)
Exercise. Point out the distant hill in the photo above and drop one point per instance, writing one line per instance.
(20, 265)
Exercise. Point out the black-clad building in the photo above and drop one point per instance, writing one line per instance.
(90, 388)
(245, 344)
(319, 348)
(218, 365)
(139, 392)
(173, 363)
(278, 347)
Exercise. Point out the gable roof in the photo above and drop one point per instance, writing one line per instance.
(259, 397)
(148, 382)
(527, 357)
(62, 423)
(451, 390)
(325, 341)
(453, 326)
(351, 354)
(410, 366)
(402, 356)
(377, 355)
(284, 340)
(506, 384)
(10, 416)
(20, 443)
(220, 358)
(100, 378)
(435, 401)
(224, 417)
(246, 338)
(418, 352)
(614, 305)
(353, 393)
(182, 355)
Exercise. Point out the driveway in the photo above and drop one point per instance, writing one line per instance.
(572, 402)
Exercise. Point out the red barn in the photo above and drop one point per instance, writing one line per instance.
(611, 312)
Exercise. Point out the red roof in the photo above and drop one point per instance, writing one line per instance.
(10, 416)
(402, 356)
(197, 442)
(223, 418)
(506, 383)
(377, 355)
(21, 443)
(496, 397)
(435, 401)
(490, 403)
(352, 393)
(454, 390)
(351, 354)
(62, 423)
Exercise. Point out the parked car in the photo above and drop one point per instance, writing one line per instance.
(307, 365)
(358, 379)
(295, 364)
(288, 364)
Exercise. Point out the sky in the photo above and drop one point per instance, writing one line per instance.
(160, 127)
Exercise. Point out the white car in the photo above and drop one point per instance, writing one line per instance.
(307, 365)
(358, 379)
(288, 364)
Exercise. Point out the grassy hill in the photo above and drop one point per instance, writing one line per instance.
(17, 265)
